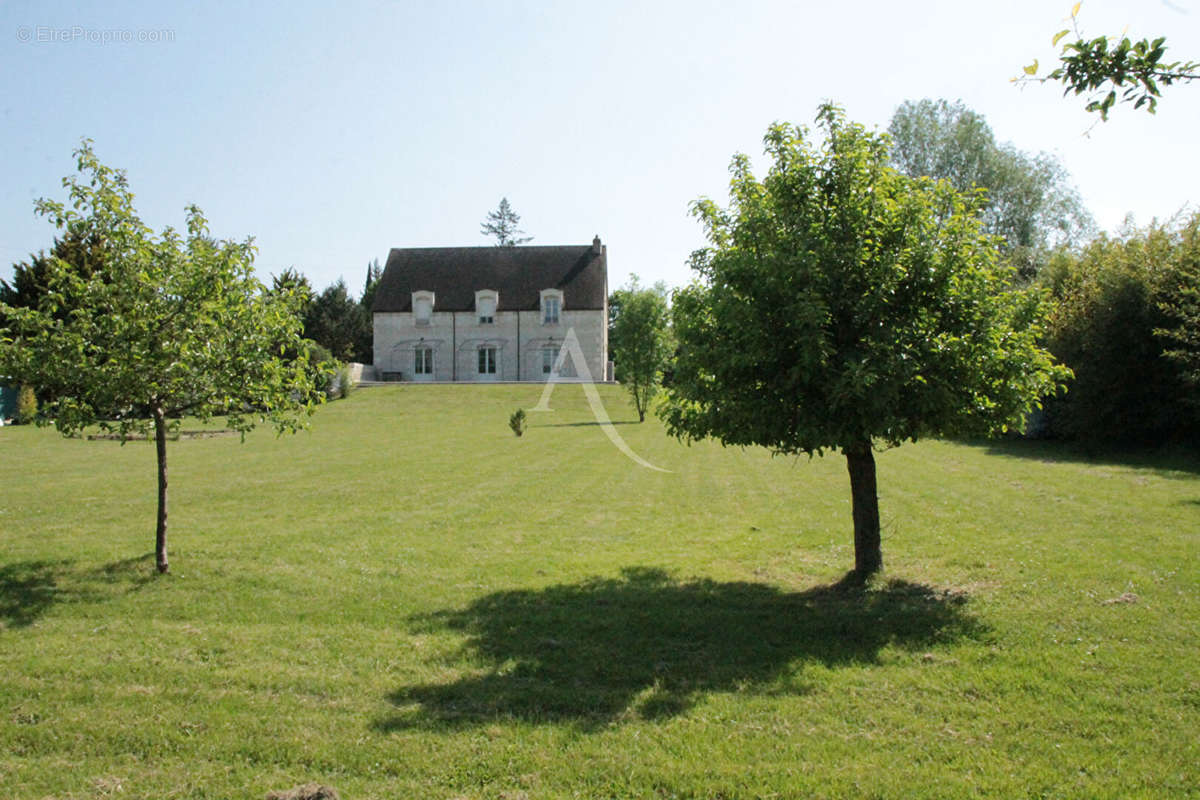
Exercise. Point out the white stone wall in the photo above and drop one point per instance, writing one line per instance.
(471, 335)
(397, 335)
(457, 336)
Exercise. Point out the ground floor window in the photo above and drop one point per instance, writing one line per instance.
(548, 354)
(487, 361)
(423, 361)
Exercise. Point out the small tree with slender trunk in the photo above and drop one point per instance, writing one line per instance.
(639, 338)
(845, 306)
(164, 326)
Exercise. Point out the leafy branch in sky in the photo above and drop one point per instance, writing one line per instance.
(1112, 69)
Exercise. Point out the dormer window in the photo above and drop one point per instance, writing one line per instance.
(422, 305)
(551, 306)
(485, 306)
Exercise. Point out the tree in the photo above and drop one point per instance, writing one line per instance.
(292, 281)
(1182, 308)
(27, 405)
(365, 347)
(335, 321)
(29, 277)
(374, 273)
(844, 305)
(1104, 66)
(1030, 201)
(502, 224)
(165, 326)
(1124, 321)
(640, 340)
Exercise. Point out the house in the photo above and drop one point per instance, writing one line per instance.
(492, 313)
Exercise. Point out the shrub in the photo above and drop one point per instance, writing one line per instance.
(325, 369)
(517, 421)
(342, 381)
(1112, 307)
(27, 405)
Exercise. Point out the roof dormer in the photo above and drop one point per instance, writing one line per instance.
(422, 307)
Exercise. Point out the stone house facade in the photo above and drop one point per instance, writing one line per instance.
(473, 314)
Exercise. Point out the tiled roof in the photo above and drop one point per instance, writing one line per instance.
(518, 274)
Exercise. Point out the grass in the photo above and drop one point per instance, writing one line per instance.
(409, 601)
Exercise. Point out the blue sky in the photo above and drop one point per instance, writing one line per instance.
(333, 132)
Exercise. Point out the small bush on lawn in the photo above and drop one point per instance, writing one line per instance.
(517, 421)
(342, 381)
(27, 405)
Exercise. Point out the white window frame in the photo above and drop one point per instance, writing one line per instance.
(485, 300)
(551, 306)
(423, 360)
(487, 355)
(419, 299)
(549, 354)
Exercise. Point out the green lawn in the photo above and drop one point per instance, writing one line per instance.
(408, 601)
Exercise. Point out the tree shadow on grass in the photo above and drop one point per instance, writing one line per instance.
(1168, 461)
(647, 645)
(28, 589)
(587, 424)
(136, 571)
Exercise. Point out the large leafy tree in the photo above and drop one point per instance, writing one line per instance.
(842, 305)
(639, 338)
(162, 326)
(503, 225)
(1030, 201)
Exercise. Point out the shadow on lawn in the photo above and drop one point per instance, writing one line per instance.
(1170, 461)
(28, 589)
(587, 424)
(645, 644)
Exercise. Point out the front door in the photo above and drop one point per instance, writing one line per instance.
(488, 357)
(423, 364)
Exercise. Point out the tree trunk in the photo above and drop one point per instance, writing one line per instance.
(160, 444)
(868, 556)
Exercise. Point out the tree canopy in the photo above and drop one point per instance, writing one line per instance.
(29, 282)
(639, 339)
(1030, 201)
(160, 327)
(371, 285)
(1127, 322)
(337, 322)
(503, 225)
(1182, 308)
(844, 305)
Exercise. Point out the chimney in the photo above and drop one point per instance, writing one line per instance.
(596, 245)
